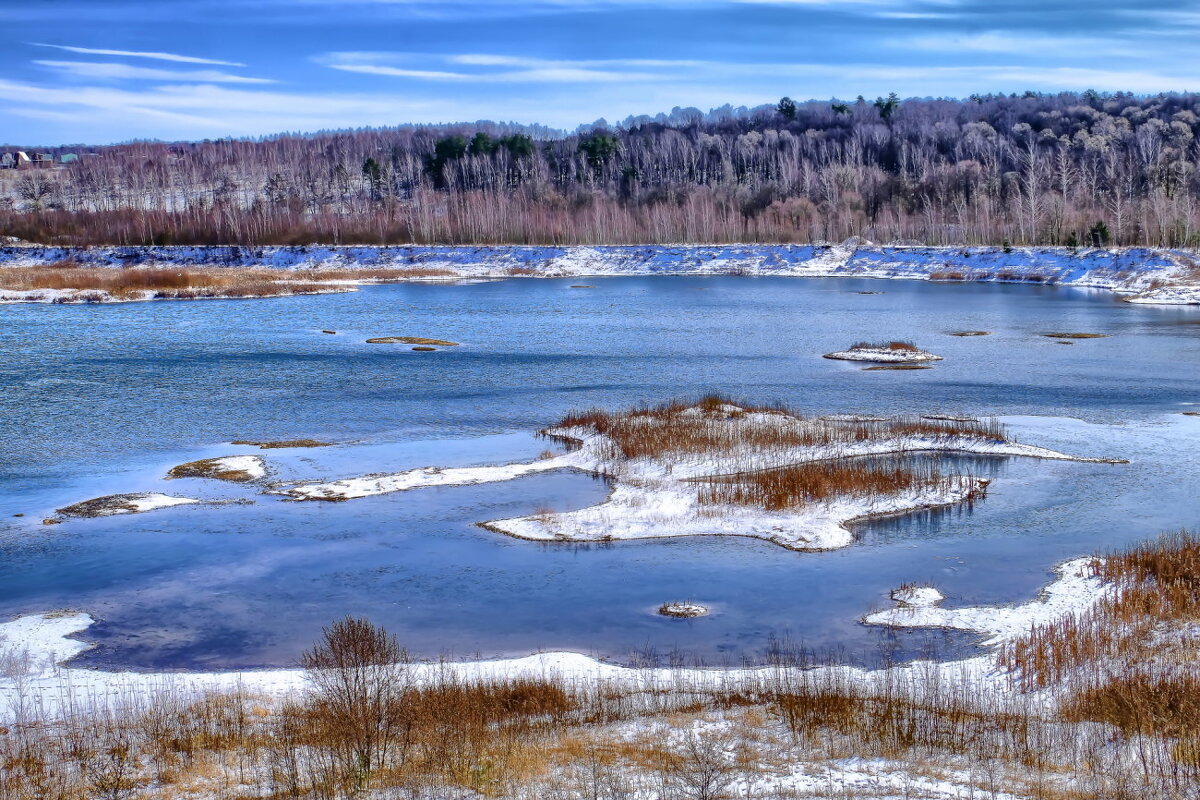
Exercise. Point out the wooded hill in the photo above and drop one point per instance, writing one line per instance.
(1066, 169)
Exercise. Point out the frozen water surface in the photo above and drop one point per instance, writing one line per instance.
(104, 400)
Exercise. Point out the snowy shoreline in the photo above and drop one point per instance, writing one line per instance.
(1141, 275)
(43, 644)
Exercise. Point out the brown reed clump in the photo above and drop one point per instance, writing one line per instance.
(798, 485)
(905, 347)
(161, 283)
(717, 425)
(1130, 661)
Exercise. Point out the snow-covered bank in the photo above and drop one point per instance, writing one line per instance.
(425, 477)
(37, 647)
(91, 296)
(1145, 275)
(638, 512)
(1076, 589)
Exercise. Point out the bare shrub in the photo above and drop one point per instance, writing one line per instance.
(359, 675)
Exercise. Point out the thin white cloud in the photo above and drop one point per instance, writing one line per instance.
(140, 54)
(537, 72)
(398, 72)
(107, 71)
(1014, 44)
(489, 60)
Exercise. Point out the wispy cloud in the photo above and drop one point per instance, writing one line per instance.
(1015, 44)
(140, 54)
(527, 70)
(108, 71)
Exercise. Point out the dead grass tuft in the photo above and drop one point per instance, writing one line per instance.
(285, 444)
(801, 484)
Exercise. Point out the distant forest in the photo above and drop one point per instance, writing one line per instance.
(1065, 169)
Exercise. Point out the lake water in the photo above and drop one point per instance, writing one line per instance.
(104, 399)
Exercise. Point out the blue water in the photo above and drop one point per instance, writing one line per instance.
(105, 399)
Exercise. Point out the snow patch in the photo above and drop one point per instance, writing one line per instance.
(1076, 589)
(917, 596)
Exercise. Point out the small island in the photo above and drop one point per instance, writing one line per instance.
(235, 469)
(682, 610)
(129, 503)
(421, 340)
(716, 467)
(884, 353)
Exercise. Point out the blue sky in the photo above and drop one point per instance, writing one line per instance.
(100, 71)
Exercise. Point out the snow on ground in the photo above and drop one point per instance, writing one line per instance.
(253, 466)
(1076, 585)
(33, 650)
(917, 596)
(638, 512)
(883, 355)
(224, 468)
(1147, 275)
(1169, 296)
(425, 477)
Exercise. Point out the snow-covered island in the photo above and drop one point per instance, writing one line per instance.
(721, 468)
(884, 353)
(127, 503)
(686, 610)
(236, 469)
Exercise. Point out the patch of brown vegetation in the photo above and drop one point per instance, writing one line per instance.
(676, 428)
(1135, 639)
(970, 333)
(1076, 335)
(100, 506)
(798, 485)
(288, 443)
(123, 283)
(410, 340)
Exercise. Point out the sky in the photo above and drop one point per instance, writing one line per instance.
(102, 71)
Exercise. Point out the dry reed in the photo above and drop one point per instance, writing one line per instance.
(676, 429)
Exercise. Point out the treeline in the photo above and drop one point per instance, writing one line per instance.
(1062, 169)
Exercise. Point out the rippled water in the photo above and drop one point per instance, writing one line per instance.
(99, 400)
